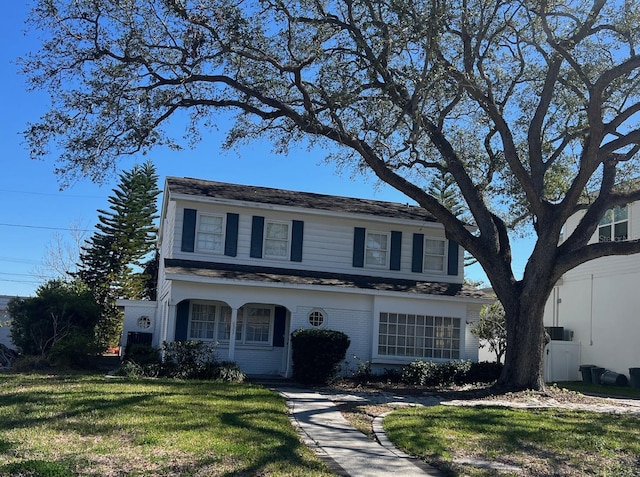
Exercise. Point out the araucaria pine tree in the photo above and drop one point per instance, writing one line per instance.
(114, 260)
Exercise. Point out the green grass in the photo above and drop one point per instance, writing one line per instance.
(599, 389)
(540, 442)
(93, 426)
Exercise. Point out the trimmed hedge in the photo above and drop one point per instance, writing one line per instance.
(428, 373)
(316, 354)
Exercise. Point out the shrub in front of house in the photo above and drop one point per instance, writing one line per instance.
(483, 372)
(316, 354)
(429, 373)
(181, 360)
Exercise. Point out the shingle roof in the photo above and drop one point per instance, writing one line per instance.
(252, 273)
(267, 195)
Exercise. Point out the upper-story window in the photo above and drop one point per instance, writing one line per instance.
(276, 239)
(210, 234)
(377, 250)
(614, 225)
(434, 255)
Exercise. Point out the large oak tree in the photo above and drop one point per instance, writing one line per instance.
(531, 108)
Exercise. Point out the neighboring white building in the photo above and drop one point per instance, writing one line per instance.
(598, 303)
(244, 266)
(5, 331)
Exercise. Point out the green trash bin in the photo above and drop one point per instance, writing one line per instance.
(585, 370)
(634, 377)
(612, 378)
(596, 374)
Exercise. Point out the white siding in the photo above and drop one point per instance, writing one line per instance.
(599, 302)
(471, 342)
(328, 242)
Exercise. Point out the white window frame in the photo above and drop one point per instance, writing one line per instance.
(415, 336)
(387, 251)
(219, 309)
(317, 318)
(425, 255)
(199, 233)
(608, 221)
(266, 238)
(243, 324)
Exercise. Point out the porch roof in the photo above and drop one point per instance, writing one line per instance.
(251, 273)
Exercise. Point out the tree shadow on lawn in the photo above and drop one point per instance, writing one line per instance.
(285, 448)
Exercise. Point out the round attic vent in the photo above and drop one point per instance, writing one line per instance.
(144, 322)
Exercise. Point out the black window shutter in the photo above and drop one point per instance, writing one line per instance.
(257, 233)
(231, 235)
(396, 248)
(189, 230)
(417, 256)
(279, 321)
(358, 247)
(452, 258)
(297, 233)
(182, 320)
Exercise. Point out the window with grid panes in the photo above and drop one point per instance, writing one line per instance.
(614, 225)
(203, 320)
(256, 321)
(434, 255)
(276, 240)
(376, 252)
(210, 234)
(418, 336)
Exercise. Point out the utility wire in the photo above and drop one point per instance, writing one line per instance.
(67, 229)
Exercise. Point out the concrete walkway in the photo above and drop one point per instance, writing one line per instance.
(346, 450)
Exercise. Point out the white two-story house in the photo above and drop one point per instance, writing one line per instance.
(244, 266)
(597, 304)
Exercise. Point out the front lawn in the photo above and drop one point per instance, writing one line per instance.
(541, 442)
(89, 425)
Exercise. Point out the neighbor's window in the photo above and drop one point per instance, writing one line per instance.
(434, 255)
(614, 226)
(210, 234)
(419, 336)
(376, 250)
(276, 240)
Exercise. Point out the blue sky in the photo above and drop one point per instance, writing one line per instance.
(36, 214)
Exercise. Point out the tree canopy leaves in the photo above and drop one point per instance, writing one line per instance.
(531, 107)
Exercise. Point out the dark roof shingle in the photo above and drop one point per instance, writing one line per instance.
(309, 200)
(309, 277)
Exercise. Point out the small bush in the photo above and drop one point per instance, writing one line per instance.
(428, 373)
(142, 354)
(484, 372)
(73, 350)
(363, 371)
(228, 371)
(190, 359)
(316, 354)
(182, 360)
(29, 363)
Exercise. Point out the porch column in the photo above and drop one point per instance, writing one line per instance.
(169, 326)
(232, 334)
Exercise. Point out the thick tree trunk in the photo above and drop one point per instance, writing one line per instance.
(524, 358)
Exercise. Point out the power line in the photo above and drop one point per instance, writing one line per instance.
(73, 196)
(20, 260)
(66, 229)
(31, 282)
